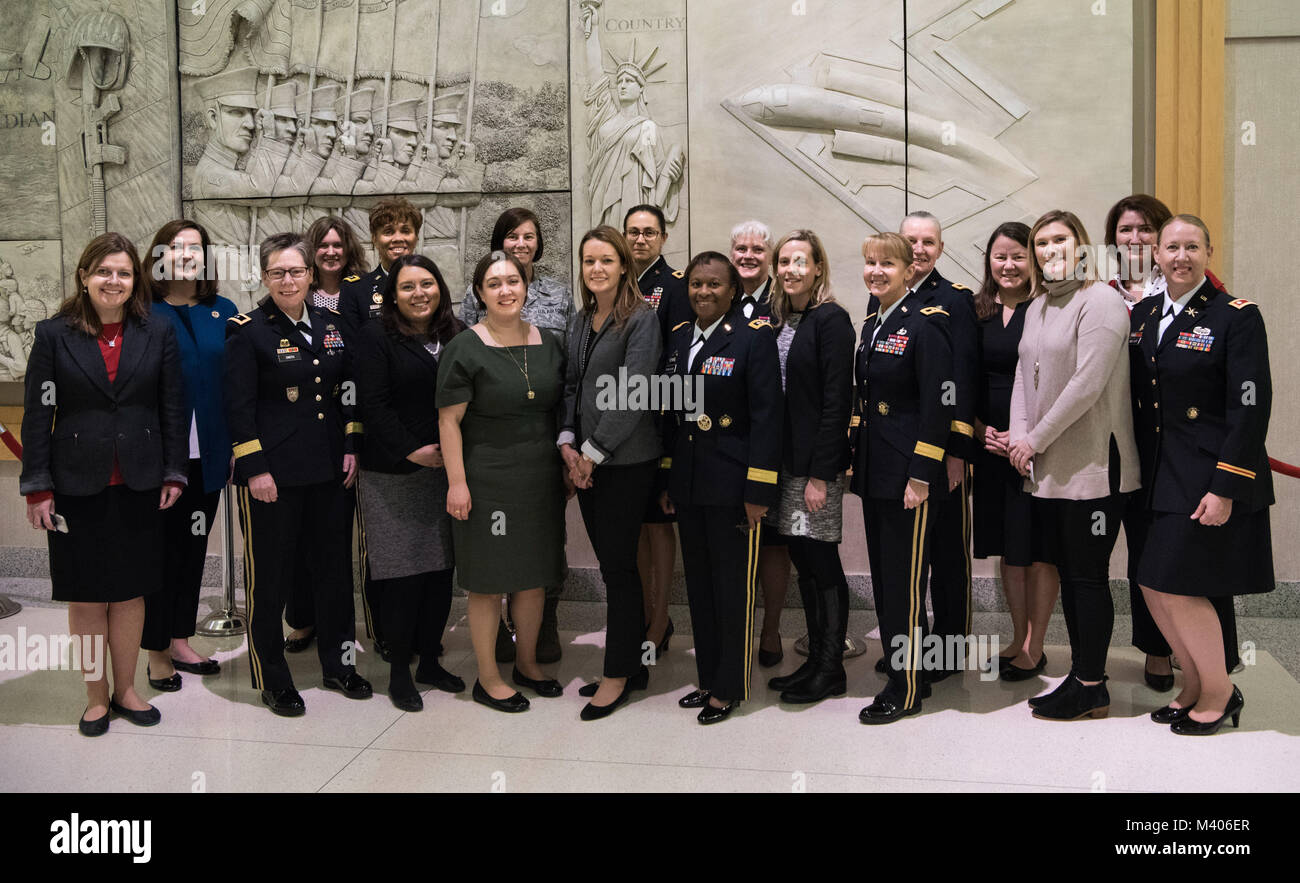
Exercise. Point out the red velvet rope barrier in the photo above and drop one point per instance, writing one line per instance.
(1284, 468)
(10, 442)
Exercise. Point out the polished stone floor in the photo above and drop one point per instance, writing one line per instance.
(972, 736)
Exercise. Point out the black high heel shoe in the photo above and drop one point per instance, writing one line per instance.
(1168, 714)
(1159, 683)
(662, 646)
(165, 685)
(1189, 726)
(638, 681)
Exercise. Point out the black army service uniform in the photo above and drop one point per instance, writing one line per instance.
(1202, 395)
(289, 405)
(723, 454)
(664, 289)
(901, 423)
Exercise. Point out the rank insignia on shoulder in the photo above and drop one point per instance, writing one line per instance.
(760, 323)
(930, 311)
(678, 274)
(334, 311)
(1242, 302)
(241, 319)
(869, 318)
(960, 287)
(681, 324)
(353, 278)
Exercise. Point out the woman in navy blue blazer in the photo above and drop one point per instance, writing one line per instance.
(104, 451)
(183, 288)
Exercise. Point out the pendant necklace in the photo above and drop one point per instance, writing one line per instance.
(524, 369)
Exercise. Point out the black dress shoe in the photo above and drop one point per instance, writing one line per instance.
(638, 681)
(885, 709)
(1077, 701)
(406, 700)
(286, 702)
(1189, 726)
(1013, 673)
(549, 688)
(1159, 683)
(351, 685)
(433, 674)
(166, 685)
(146, 718)
(297, 645)
(202, 667)
(515, 703)
(384, 650)
(694, 699)
(97, 727)
(938, 675)
(1168, 714)
(711, 714)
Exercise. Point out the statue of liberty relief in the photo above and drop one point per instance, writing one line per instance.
(628, 162)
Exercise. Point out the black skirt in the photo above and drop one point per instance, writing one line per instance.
(1184, 557)
(1001, 508)
(114, 549)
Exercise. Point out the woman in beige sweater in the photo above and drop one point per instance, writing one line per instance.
(1072, 437)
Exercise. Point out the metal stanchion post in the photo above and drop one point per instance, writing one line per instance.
(230, 621)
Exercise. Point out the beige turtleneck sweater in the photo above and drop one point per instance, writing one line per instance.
(1072, 393)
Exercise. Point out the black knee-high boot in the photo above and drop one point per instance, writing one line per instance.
(827, 677)
(812, 613)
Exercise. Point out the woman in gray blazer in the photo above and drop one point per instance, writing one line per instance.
(609, 442)
(105, 436)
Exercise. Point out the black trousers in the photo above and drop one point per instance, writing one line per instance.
(612, 509)
(898, 550)
(1078, 537)
(950, 560)
(1146, 634)
(720, 557)
(415, 613)
(299, 611)
(306, 526)
(173, 611)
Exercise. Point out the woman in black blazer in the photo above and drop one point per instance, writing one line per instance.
(815, 343)
(104, 433)
(402, 492)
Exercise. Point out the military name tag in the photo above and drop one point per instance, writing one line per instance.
(1189, 340)
(287, 354)
(894, 344)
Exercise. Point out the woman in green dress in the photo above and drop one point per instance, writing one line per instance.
(499, 387)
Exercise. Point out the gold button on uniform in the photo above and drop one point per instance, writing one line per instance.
(704, 423)
(315, 361)
(320, 415)
(318, 380)
(724, 421)
(318, 397)
(883, 408)
(1193, 413)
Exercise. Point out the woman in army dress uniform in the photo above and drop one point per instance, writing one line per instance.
(292, 426)
(1201, 384)
(499, 388)
(720, 466)
(903, 418)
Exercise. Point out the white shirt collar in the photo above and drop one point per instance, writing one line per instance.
(1179, 304)
(759, 291)
(921, 281)
(707, 331)
(885, 313)
(653, 264)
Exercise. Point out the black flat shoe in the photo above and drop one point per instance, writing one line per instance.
(1168, 714)
(166, 685)
(286, 702)
(406, 701)
(351, 685)
(515, 703)
(694, 699)
(435, 675)
(548, 688)
(711, 714)
(1188, 726)
(638, 681)
(1013, 673)
(1078, 701)
(147, 718)
(202, 667)
(885, 709)
(1159, 683)
(97, 727)
(296, 645)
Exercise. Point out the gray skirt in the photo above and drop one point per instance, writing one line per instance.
(404, 522)
(790, 516)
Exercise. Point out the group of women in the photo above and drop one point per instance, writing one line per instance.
(458, 440)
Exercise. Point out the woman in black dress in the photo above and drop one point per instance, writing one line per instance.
(1001, 506)
(105, 433)
(1202, 390)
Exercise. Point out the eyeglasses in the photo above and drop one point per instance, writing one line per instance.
(295, 274)
(647, 235)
